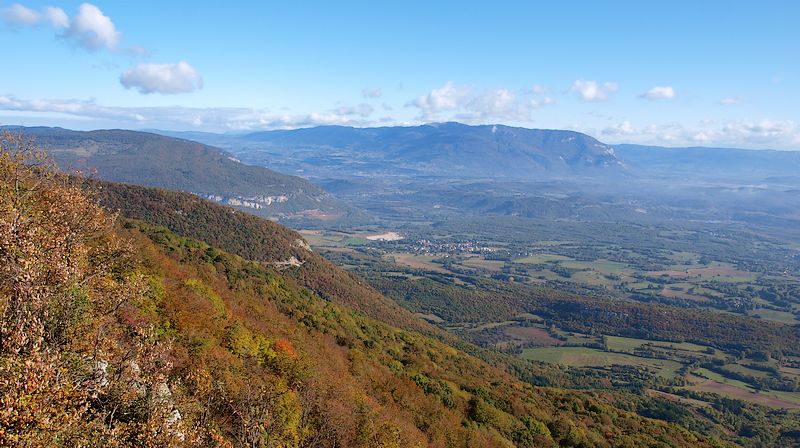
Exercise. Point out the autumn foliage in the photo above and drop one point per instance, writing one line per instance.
(123, 333)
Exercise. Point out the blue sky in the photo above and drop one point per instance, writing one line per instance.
(663, 72)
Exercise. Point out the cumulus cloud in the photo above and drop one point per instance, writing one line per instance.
(453, 102)
(496, 102)
(56, 17)
(93, 30)
(371, 93)
(593, 91)
(659, 93)
(447, 97)
(624, 128)
(18, 15)
(162, 78)
(89, 28)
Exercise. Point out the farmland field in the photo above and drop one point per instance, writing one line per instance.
(588, 357)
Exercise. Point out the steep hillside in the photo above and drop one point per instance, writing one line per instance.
(446, 149)
(184, 165)
(126, 334)
(254, 239)
(264, 241)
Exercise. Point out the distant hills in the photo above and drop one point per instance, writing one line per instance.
(445, 149)
(184, 165)
(455, 150)
(714, 163)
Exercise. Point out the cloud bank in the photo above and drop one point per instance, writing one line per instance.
(213, 119)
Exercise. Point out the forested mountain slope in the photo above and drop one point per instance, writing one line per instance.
(123, 333)
(178, 164)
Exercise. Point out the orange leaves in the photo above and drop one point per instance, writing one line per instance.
(35, 394)
(285, 347)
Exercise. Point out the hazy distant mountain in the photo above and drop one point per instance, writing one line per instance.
(446, 149)
(739, 165)
(155, 160)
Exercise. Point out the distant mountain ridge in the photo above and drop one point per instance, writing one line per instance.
(443, 149)
(739, 164)
(492, 151)
(160, 161)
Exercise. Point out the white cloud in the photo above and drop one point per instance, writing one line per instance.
(452, 102)
(497, 104)
(162, 78)
(773, 134)
(18, 15)
(89, 29)
(93, 30)
(730, 101)
(592, 91)
(447, 97)
(659, 93)
(57, 18)
(494, 103)
(371, 93)
(208, 119)
(624, 128)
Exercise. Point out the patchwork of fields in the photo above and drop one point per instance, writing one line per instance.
(677, 277)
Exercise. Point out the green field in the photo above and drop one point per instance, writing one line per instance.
(617, 343)
(541, 259)
(355, 241)
(589, 357)
(778, 316)
(600, 265)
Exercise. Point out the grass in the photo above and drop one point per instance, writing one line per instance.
(708, 381)
(777, 316)
(705, 373)
(355, 241)
(589, 357)
(593, 278)
(599, 265)
(423, 262)
(791, 397)
(491, 265)
(541, 259)
(551, 243)
(683, 256)
(681, 349)
(738, 368)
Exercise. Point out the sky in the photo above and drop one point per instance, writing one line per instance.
(672, 73)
